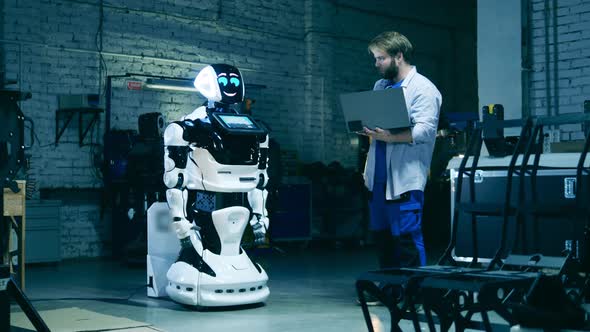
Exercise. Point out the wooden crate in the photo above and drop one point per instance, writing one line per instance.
(14, 207)
(14, 203)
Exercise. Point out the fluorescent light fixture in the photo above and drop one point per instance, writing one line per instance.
(170, 84)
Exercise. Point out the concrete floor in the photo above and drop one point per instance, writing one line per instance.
(311, 290)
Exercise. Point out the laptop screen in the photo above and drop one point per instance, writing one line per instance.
(382, 108)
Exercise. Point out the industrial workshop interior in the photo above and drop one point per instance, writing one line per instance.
(294, 165)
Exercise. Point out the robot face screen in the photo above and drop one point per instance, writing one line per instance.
(230, 83)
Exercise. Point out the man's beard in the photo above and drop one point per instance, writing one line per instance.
(391, 72)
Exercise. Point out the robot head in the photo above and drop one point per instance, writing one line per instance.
(221, 83)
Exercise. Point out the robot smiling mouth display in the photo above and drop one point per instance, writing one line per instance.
(216, 155)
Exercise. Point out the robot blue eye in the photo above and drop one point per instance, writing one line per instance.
(235, 81)
(222, 81)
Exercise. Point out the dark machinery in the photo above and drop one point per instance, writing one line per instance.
(11, 160)
(519, 284)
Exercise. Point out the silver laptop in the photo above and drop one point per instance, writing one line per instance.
(382, 108)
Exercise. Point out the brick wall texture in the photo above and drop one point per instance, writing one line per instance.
(560, 54)
(298, 54)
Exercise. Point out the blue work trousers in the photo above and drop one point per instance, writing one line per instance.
(398, 226)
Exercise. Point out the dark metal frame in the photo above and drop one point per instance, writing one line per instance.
(109, 90)
(9, 289)
(456, 294)
(69, 115)
(577, 209)
(13, 291)
(456, 298)
(452, 297)
(407, 282)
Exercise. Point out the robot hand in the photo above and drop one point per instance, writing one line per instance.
(259, 226)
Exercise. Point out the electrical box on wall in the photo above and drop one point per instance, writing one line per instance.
(79, 101)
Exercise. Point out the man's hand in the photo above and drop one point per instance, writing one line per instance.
(377, 133)
(402, 136)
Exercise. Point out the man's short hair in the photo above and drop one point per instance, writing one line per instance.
(393, 42)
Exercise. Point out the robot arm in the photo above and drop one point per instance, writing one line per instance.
(176, 151)
(257, 198)
(259, 220)
(177, 199)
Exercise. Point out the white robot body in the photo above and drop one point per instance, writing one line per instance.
(237, 283)
(223, 178)
(163, 248)
(237, 280)
(213, 176)
(214, 151)
(202, 171)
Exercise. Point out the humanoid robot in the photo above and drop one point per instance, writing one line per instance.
(221, 156)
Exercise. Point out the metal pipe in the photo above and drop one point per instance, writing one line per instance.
(2, 55)
(555, 62)
(196, 65)
(547, 60)
(107, 106)
(526, 57)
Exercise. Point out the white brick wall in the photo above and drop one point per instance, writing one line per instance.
(305, 52)
(83, 232)
(573, 61)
